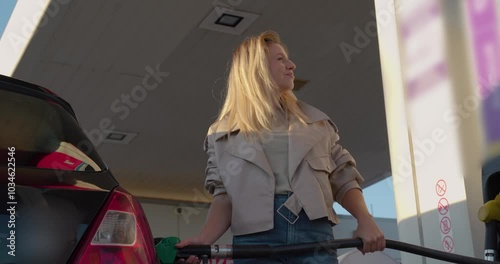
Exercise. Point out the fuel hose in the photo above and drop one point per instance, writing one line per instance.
(266, 251)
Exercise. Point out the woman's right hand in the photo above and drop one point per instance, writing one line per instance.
(218, 221)
(191, 241)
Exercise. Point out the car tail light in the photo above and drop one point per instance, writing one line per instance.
(119, 234)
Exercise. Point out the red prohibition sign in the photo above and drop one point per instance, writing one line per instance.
(441, 187)
(443, 206)
(448, 244)
(445, 225)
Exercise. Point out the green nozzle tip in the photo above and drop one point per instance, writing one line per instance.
(166, 250)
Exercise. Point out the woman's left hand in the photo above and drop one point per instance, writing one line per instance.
(370, 233)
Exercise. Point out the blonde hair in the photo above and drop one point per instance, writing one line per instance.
(252, 94)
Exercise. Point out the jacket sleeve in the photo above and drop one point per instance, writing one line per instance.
(345, 176)
(213, 181)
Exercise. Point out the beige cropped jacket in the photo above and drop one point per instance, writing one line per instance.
(321, 172)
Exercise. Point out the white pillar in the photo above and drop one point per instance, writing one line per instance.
(434, 125)
(398, 133)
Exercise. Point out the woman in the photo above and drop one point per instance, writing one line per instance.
(274, 164)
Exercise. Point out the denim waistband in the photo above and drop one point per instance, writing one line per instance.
(281, 195)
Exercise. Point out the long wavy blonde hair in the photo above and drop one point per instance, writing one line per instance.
(253, 97)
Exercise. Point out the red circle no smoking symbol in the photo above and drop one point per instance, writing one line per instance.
(448, 244)
(443, 206)
(445, 225)
(441, 187)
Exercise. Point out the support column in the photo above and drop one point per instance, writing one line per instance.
(434, 125)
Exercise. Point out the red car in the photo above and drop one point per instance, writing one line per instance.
(60, 203)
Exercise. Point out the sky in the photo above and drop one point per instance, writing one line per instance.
(6, 8)
(379, 199)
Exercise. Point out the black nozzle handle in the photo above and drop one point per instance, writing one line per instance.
(194, 250)
(226, 251)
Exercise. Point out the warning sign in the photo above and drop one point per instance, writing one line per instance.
(443, 206)
(445, 225)
(441, 187)
(448, 244)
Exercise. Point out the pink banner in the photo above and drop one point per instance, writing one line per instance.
(486, 51)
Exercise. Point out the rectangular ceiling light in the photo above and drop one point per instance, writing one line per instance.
(118, 137)
(228, 20)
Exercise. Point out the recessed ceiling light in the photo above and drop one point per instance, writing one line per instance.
(116, 136)
(228, 20)
(119, 137)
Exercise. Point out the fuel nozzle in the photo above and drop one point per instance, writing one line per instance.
(490, 210)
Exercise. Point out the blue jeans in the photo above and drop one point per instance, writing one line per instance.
(284, 232)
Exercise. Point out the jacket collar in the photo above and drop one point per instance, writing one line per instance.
(220, 129)
(302, 137)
